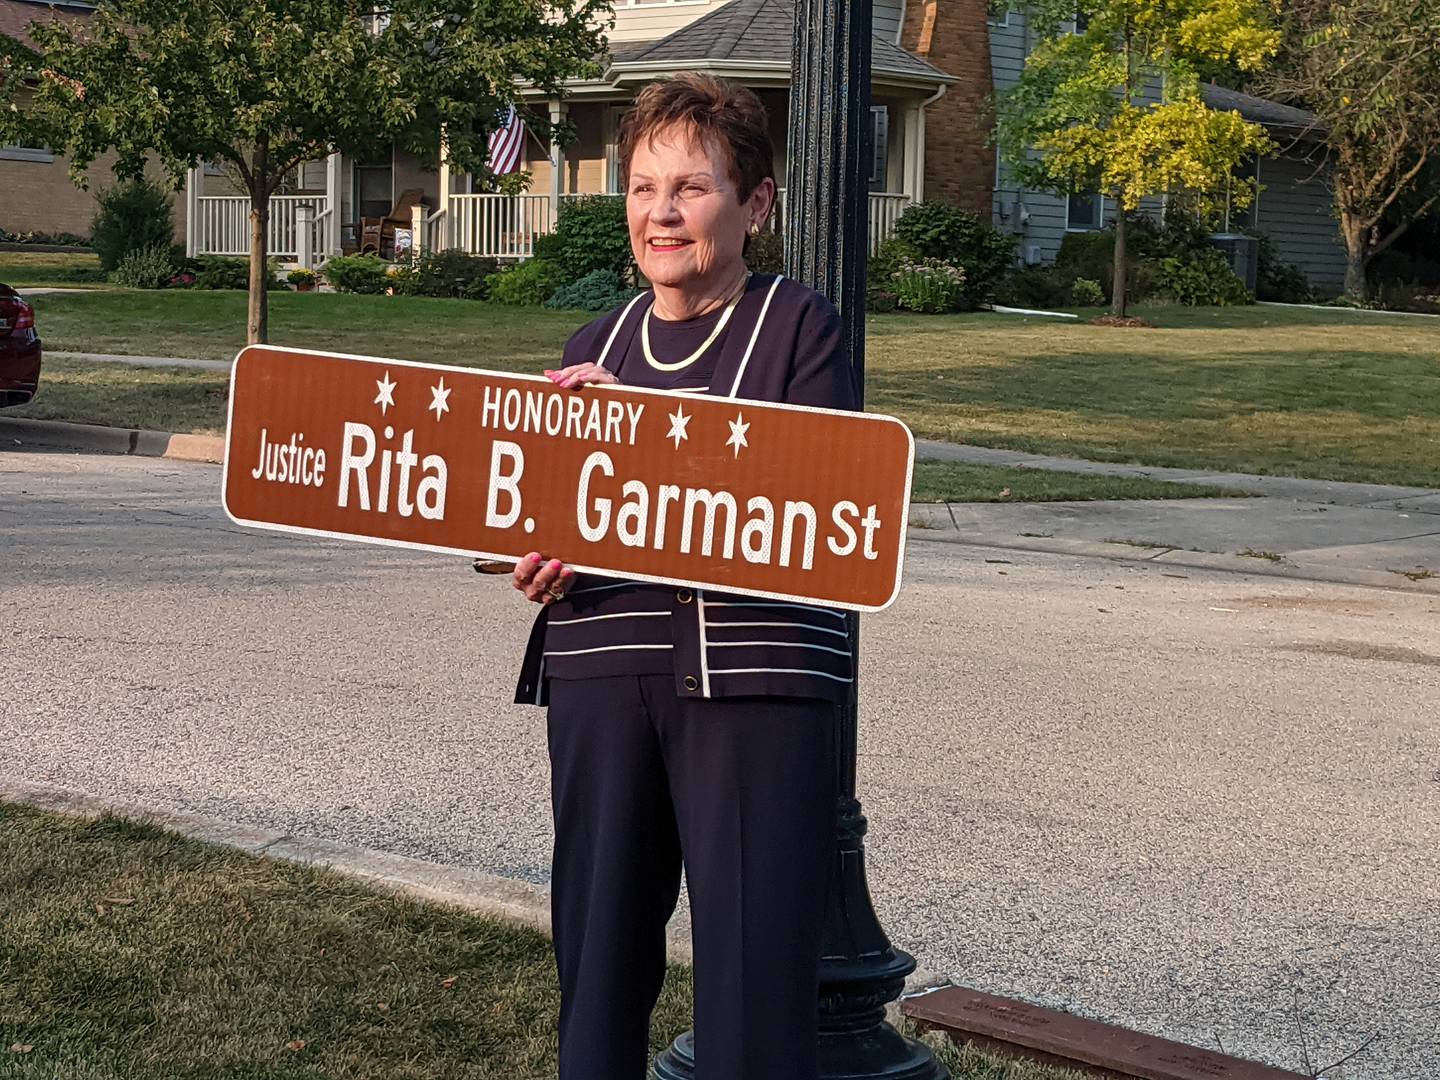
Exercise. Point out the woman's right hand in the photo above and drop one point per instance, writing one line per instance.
(542, 580)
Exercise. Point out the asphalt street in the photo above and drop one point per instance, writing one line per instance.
(1201, 804)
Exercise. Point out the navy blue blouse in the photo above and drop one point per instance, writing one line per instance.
(782, 343)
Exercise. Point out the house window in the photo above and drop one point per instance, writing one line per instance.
(1085, 213)
(374, 188)
(879, 145)
(1000, 19)
(26, 150)
(1082, 21)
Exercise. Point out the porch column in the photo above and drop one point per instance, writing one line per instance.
(332, 240)
(914, 136)
(557, 163)
(193, 182)
(443, 234)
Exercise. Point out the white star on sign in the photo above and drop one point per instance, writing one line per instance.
(678, 423)
(737, 434)
(439, 399)
(386, 398)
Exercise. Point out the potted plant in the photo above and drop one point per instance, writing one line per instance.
(302, 279)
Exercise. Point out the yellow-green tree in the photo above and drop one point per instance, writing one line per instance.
(1109, 102)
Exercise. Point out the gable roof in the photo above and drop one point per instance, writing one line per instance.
(1257, 109)
(17, 15)
(754, 34)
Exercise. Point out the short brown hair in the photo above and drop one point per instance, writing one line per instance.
(707, 107)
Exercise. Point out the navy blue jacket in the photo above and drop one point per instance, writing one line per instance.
(783, 345)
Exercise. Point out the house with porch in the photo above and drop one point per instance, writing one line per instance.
(321, 208)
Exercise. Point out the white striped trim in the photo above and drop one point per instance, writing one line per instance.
(755, 335)
(617, 615)
(540, 682)
(789, 625)
(689, 389)
(616, 329)
(778, 671)
(604, 648)
(704, 660)
(602, 588)
(765, 603)
(779, 644)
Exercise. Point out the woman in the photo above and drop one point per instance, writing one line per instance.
(686, 725)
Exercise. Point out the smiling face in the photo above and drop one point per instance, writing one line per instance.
(687, 223)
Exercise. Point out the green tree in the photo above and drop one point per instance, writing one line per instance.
(1115, 108)
(260, 86)
(1370, 72)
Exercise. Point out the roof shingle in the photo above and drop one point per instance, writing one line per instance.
(757, 31)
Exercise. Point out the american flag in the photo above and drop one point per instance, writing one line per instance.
(506, 142)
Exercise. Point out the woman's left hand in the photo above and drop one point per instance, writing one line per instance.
(578, 375)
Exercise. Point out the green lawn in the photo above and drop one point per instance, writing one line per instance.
(124, 395)
(130, 951)
(947, 481)
(1335, 395)
(44, 268)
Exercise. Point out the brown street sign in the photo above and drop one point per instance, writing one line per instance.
(771, 500)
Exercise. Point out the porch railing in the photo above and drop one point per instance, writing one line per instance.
(885, 209)
(223, 224)
(500, 226)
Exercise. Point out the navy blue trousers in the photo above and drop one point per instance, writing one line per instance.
(743, 792)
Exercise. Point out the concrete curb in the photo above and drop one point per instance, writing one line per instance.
(112, 440)
(516, 902)
(927, 524)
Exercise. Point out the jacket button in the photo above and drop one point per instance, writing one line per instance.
(691, 683)
(684, 596)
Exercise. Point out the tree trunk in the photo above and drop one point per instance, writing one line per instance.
(1122, 269)
(1356, 258)
(258, 325)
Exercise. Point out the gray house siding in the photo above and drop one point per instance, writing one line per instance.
(887, 16)
(1296, 211)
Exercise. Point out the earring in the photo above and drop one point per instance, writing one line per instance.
(754, 228)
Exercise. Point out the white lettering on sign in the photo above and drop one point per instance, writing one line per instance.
(710, 520)
(396, 467)
(507, 482)
(289, 463)
(586, 416)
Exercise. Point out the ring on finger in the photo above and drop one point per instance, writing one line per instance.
(555, 591)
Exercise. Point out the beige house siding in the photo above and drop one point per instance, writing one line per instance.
(650, 22)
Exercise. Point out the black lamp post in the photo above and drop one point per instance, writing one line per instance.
(826, 220)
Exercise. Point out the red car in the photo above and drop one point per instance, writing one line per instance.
(19, 349)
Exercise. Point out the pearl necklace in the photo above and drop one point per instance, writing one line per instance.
(678, 365)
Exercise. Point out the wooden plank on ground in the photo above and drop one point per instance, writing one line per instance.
(1060, 1038)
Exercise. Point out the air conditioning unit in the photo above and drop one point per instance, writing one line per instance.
(1243, 254)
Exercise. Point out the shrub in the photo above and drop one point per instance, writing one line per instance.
(60, 239)
(1203, 280)
(881, 267)
(222, 272)
(599, 290)
(131, 215)
(145, 268)
(591, 233)
(1086, 292)
(1276, 279)
(357, 273)
(453, 273)
(929, 286)
(529, 283)
(301, 276)
(1041, 287)
(962, 239)
(765, 253)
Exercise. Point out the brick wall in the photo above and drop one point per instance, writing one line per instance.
(40, 197)
(954, 35)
